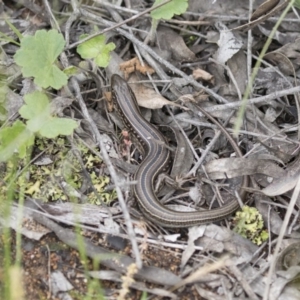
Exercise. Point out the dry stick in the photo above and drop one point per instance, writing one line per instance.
(267, 137)
(49, 270)
(249, 62)
(115, 261)
(60, 219)
(261, 99)
(280, 237)
(249, 44)
(70, 21)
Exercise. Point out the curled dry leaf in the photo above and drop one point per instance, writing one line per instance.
(286, 58)
(289, 257)
(282, 150)
(216, 238)
(263, 17)
(264, 8)
(281, 185)
(285, 182)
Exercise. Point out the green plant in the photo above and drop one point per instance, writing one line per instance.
(249, 224)
(167, 11)
(97, 49)
(38, 58)
(37, 111)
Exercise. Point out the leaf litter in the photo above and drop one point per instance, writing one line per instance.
(196, 260)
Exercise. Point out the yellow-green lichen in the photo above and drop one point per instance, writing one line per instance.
(63, 178)
(249, 224)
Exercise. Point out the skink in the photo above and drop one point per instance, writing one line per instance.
(156, 161)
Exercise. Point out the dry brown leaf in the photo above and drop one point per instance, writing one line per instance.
(203, 75)
(147, 97)
(130, 66)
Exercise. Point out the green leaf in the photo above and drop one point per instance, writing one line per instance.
(16, 138)
(97, 49)
(167, 11)
(37, 111)
(38, 55)
(70, 71)
(58, 126)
